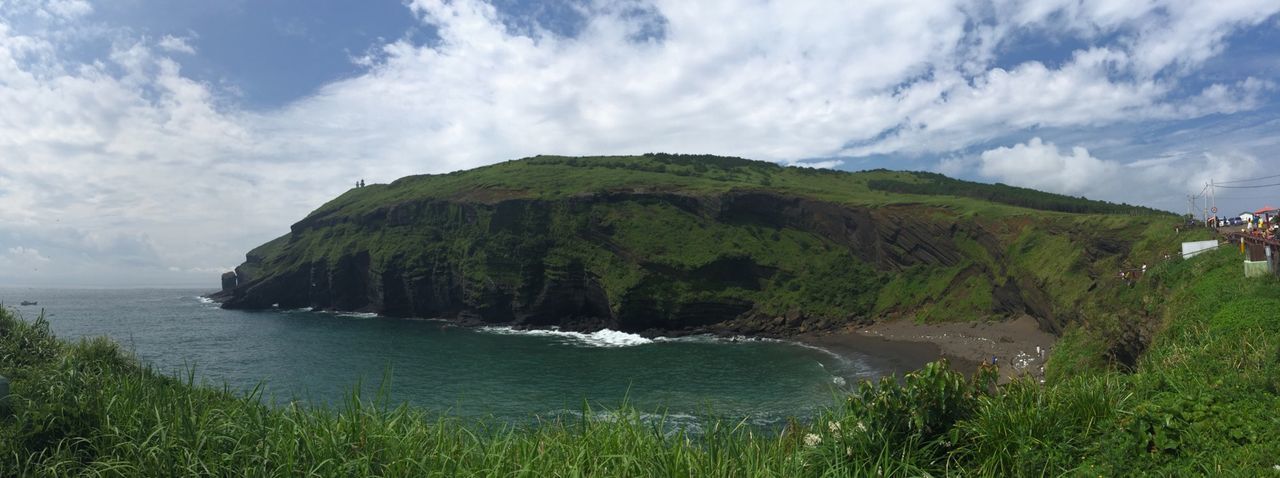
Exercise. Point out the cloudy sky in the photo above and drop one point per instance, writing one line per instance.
(153, 142)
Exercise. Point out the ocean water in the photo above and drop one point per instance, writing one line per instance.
(493, 373)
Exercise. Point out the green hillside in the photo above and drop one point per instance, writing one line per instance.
(672, 243)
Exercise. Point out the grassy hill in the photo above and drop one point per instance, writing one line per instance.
(675, 244)
(1200, 401)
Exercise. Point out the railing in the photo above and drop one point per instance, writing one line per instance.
(1236, 237)
(1260, 248)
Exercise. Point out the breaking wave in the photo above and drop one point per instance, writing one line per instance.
(599, 338)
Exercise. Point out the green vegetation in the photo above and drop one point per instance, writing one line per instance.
(667, 237)
(553, 177)
(936, 184)
(1200, 401)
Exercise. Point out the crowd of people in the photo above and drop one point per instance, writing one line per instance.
(1264, 223)
(1263, 227)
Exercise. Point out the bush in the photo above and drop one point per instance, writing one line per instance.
(923, 406)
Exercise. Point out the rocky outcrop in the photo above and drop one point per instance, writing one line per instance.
(228, 280)
(892, 238)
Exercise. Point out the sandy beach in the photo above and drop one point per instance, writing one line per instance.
(1018, 346)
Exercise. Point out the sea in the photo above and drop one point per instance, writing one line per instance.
(488, 373)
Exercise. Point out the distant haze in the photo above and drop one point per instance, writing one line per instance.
(154, 142)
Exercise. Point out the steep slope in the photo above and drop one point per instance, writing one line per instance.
(670, 244)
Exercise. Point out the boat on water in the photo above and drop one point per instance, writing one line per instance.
(29, 302)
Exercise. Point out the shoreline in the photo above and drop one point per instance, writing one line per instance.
(893, 357)
(900, 346)
(896, 347)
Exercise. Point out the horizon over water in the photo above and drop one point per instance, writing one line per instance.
(510, 375)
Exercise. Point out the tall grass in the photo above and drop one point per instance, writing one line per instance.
(1202, 401)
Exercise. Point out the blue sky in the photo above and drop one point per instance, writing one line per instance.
(270, 52)
(150, 142)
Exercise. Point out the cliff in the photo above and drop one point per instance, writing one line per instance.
(678, 244)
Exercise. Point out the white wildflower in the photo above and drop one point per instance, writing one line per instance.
(862, 428)
(835, 428)
(848, 451)
(812, 439)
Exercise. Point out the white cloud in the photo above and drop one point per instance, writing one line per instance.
(828, 164)
(47, 10)
(23, 261)
(69, 8)
(26, 255)
(177, 45)
(1041, 165)
(126, 162)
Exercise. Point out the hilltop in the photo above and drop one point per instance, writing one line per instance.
(673, 244)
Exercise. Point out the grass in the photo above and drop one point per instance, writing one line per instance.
(554, 177)
(490, 239)
(1201, 401)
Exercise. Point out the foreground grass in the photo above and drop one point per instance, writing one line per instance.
(1202, 402)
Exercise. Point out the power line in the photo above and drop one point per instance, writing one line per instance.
(1241, 198)
(1246, 198)
(1202, 191)
(1250, 187)
(1245, 180)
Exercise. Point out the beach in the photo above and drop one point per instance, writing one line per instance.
(1018, 345)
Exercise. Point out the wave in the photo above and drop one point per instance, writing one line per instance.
(693, 425)
(338, 313)
(716, 339)
(599, 338)
(204, 300)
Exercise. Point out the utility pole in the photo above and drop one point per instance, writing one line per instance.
(1205, 211)
(1213, 200)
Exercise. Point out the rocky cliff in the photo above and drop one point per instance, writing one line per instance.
(660, 245)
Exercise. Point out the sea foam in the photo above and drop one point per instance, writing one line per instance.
(599, 338)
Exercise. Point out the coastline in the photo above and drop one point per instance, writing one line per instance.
(896, 346)
(895, 357)
(1019, 346)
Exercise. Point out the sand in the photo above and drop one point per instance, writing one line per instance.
(1018, 346)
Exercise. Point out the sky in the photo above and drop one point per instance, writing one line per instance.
(151, 143)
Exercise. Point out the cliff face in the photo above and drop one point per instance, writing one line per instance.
(662, 260)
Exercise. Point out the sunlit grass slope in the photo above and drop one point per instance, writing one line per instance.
(1202, 401)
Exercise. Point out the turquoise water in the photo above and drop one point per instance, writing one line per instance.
(497, 373)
